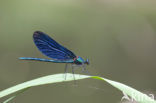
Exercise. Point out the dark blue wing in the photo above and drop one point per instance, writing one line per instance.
(51, 48)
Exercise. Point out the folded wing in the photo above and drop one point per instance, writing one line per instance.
(51, 48)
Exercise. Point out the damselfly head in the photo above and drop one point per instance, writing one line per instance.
(87, 62)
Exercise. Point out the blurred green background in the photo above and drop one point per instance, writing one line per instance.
(118, 37)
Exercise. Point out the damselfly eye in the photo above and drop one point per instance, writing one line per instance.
(87, 62)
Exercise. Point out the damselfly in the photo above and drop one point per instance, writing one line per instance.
(56, 52)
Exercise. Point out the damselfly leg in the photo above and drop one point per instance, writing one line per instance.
(84, 70)
(66, 70)
(73, 71)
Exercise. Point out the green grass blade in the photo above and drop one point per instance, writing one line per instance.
(138, 96)
(133, 93)
(9, 99)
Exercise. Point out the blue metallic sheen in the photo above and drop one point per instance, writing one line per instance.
(80, 59)
(46, 60)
